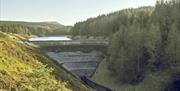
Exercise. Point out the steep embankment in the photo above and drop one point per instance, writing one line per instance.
(34, 28)
(22, 67)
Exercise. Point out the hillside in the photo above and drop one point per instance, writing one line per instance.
(107, 24)
(34, 28)
(143, 52)
(24, 68)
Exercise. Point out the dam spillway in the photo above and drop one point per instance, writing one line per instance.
(80, 57)
(77, 62)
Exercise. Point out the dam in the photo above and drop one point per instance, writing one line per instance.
(81, 57)
(77, 62)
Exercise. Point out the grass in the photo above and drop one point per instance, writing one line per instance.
(154, 81)
(25, 68)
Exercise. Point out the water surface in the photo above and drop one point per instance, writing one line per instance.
(56, 38)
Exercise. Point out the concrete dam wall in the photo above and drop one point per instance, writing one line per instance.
(77, 62)
(80, 57)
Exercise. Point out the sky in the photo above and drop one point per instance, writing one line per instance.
(66, 12)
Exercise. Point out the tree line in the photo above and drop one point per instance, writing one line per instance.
(105, 25)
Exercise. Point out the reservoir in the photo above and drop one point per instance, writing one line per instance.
(57, 38)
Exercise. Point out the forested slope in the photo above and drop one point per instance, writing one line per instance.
(106, 25)
(144, 51)
(151, 44)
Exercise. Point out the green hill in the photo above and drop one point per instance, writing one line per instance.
(34, 28)
(24, 68)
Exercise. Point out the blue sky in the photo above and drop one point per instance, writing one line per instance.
(66, 12)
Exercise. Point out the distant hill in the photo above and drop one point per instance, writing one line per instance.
(34, 28)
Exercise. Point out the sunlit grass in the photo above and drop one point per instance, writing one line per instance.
(23, 68)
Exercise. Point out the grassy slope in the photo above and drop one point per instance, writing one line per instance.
(23, 68)
(154, 81)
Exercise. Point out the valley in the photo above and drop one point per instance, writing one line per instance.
(133, 49)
